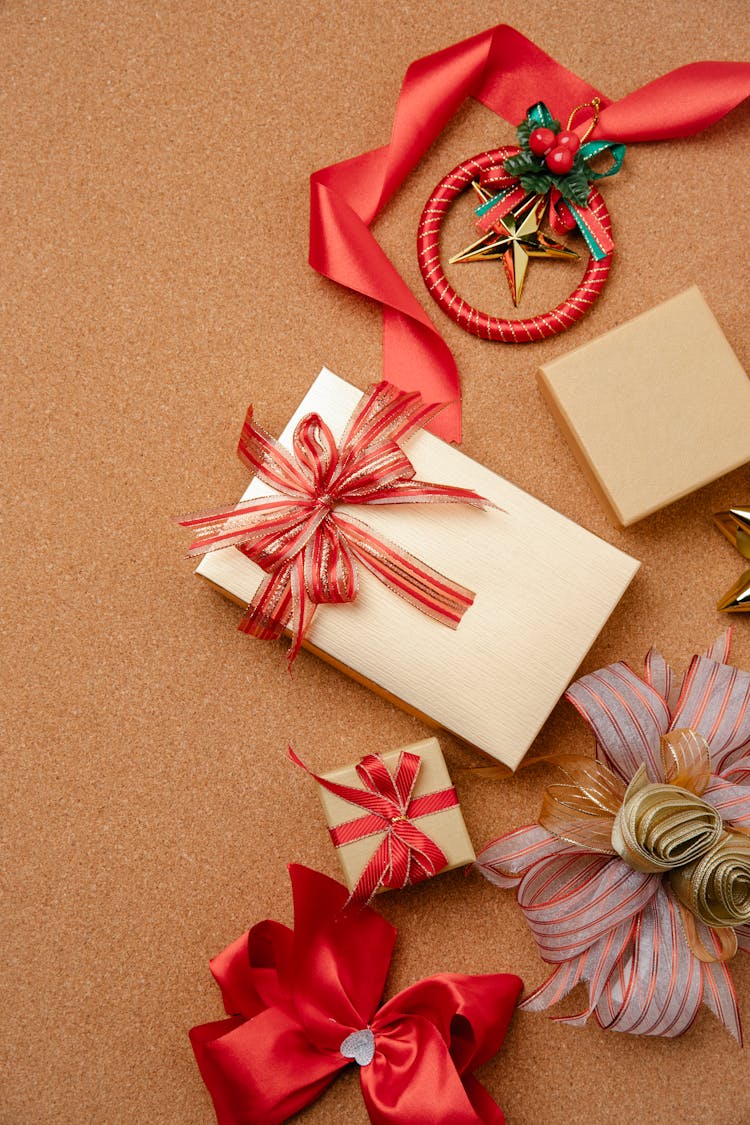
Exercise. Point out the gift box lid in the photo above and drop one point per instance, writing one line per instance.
(544, 588)
(654, 409)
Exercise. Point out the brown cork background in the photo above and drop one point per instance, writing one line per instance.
(153, 195)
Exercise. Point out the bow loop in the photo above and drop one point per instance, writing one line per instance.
(263, 455)
(330, 571)
(398, 788)
(540, 115)
(365, 477)
(592, 149)
(251, 971)
(315, 449)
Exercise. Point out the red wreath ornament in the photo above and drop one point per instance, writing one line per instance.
(465, 315)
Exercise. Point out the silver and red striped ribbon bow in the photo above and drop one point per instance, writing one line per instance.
(406, 854)
(307, 547)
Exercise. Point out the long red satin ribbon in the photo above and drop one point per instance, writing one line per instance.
(406, 854)
(294, 998)
(507, 73)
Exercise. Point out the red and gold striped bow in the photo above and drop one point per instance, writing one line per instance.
(307, 547)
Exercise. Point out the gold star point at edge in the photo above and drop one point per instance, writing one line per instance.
(515, 238)
(734, 525)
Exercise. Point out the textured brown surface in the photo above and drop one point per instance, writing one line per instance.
(154, 226)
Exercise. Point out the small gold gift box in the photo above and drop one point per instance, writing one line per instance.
(445, 827)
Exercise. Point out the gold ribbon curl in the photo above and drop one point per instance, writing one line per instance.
(716, 887)
(660, 827)
(664, 828)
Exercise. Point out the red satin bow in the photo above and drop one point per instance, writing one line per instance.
(506, 72)
(295, 997)
(307, 548)
(406, 854)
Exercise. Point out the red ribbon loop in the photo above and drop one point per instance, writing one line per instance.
(294, 997)
(307, 549)
(406, 854)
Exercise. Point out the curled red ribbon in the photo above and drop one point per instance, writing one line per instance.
(304, 1003)
(507, 73)
(406, 854)
(308, 549)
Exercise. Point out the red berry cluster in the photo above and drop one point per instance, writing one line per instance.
(558, 150)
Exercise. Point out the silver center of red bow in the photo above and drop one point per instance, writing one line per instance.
(360, 1046)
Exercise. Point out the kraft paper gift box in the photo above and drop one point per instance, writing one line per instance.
(544, 588)
(446, 828)
(653, 409)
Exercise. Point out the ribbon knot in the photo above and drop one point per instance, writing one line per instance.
(360, 1046)
(406, 854)
(308, 548)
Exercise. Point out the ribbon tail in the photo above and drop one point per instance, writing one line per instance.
(495, 209)
(423, 857)
(592, 222)
(555, 988)
(595, 234)
(402, 858)
(677, 104)
(373, 801)
(376, 873)
(431, 592)
(720, 997)
(415, 357)
(270, 610)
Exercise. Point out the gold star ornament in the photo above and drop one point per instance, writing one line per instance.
(735, 526)
(514, 239)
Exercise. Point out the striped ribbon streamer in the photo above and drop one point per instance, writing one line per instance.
(307, 548)
(406, 854)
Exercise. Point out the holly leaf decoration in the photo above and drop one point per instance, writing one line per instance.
(532, 172)
(523, 132)
(521, 164)
(537, 182)
(574, 186)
